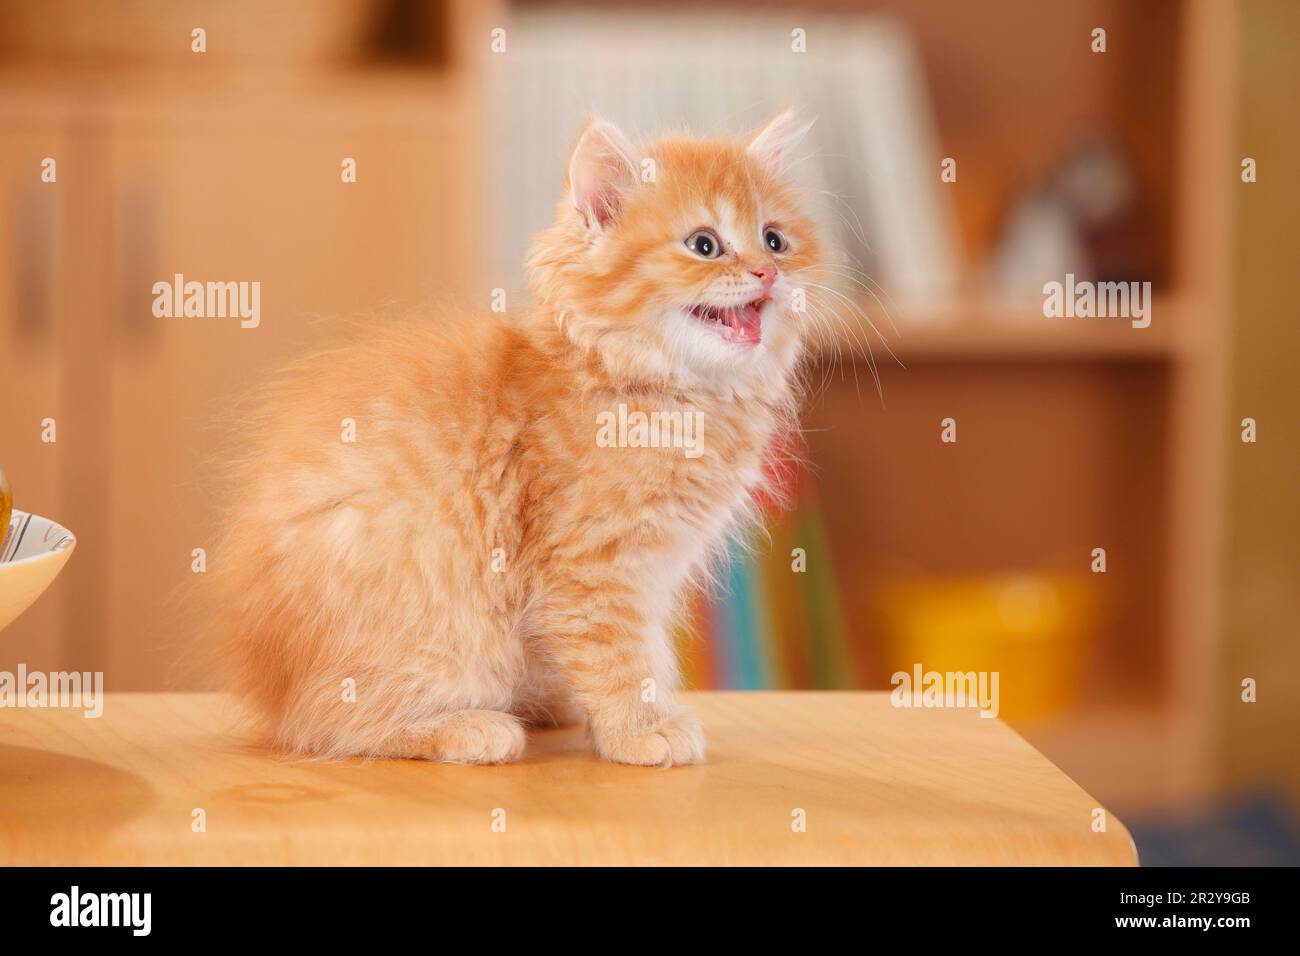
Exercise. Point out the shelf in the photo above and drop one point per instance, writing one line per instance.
(989, 333)
(282, 99)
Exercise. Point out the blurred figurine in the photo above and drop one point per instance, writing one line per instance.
(1083, 220)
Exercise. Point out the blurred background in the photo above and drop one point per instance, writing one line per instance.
(1122, 163)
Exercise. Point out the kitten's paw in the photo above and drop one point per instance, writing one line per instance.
(677, 739)
(476, 736)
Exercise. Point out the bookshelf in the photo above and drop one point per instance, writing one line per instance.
(1140, 735)
(1097, 432)
(986, 331)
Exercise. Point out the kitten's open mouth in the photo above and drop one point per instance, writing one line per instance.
(742, 324)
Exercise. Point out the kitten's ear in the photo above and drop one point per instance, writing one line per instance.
(775, 143)
(601, 169)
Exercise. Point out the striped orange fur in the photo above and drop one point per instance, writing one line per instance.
(476, 560)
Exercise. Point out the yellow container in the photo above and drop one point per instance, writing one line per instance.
(1031, 629)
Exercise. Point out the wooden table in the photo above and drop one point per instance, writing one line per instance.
(874, 785)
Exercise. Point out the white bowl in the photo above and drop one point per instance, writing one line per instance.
(34, 551)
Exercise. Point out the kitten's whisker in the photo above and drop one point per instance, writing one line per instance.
(860, 312)
(850, 329)
(860, 346)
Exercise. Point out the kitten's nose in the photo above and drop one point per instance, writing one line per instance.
(766, 275)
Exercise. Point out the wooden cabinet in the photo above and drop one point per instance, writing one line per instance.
(37, 219)
(217, 186)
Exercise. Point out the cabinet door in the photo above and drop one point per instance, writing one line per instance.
(35, 223)
(248, 194)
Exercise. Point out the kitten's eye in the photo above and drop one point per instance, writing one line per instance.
(773, 239)
(704, 244)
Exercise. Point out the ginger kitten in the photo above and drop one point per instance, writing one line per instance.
(480, 558)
